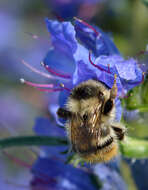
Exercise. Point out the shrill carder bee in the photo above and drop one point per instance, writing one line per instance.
(90, 121)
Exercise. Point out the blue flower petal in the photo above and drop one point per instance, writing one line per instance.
(100, 44)
(66, 176)
(110, 178)
(119, 109)
(58, 61)
(62, 36)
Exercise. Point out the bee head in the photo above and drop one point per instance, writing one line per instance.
(87, 99)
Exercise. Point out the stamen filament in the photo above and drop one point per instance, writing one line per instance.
(55, 72)
(97, 66)
(136, 83)
(142, 52)
(88, 25)
(65, 88)
(59, 18)
(17, 185)
(17, 160)
(50, 90)
(36, 84)
(36, 70)
(34, 36)
(108, 68)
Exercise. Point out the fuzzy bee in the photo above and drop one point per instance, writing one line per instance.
(91, 126)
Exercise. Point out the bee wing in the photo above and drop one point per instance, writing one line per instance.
(82, 132)
(76, 123)
(94, 116)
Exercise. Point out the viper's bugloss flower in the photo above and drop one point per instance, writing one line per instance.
(90, 54)
(79, 52)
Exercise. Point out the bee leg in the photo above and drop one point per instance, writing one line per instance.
(120, 130)
(64, 113)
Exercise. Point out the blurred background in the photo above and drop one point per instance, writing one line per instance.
(23, 36)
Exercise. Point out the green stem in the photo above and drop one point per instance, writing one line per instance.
(130, 147)
(141, 108)
(134, 148)
(31, 141)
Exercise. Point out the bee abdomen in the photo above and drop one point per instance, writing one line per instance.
(94, 149)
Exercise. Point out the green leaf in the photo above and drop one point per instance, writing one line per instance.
(32, 141)
(134, 148)
(145, 2)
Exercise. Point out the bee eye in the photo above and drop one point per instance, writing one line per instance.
(85, 117)
(63, 113)
(108, 106)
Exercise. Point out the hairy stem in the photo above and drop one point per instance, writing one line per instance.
(130, 147)
(31, 141)
(134, 148)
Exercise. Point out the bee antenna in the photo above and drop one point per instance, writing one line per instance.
(88, 25)
(114, 89)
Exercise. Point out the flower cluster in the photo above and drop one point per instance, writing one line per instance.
(79, 52)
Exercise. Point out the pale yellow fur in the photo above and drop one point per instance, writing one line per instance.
(87, 105)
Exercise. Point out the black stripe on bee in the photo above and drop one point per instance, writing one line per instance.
(119, 132)
(95, 148)
(84, 92)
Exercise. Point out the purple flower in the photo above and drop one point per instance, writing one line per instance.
(110, 178)
(71, 62)
(53, 173)
(102, 64)
(70, 52)
(75, 42)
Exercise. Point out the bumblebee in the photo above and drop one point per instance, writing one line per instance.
(90, 121)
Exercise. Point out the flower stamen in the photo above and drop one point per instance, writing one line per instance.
(88, 25)
(36, 70)
(97, 66)
(23, 81)
(17, 185)
(34, 36)
(55, 72)
(43, 87)
(65, 88)
(108, 68)
(50, 90)
(17, 160)
(137, 83)
(142, 52)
